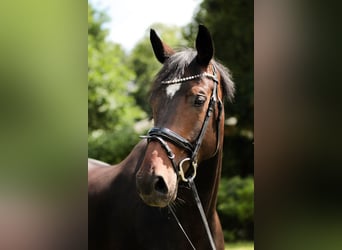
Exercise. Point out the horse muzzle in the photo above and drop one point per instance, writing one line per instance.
(155, 191)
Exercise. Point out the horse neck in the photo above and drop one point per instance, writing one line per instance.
(207, 181)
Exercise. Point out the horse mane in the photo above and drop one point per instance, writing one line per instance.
(174, 67)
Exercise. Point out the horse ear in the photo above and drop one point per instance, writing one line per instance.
(161, 50)
(204, 46)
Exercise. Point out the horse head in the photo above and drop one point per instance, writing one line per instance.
(188, 117)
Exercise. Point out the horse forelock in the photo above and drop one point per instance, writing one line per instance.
(177, 64)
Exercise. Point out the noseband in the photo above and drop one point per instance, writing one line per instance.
(164, 134)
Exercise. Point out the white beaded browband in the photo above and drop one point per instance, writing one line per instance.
(188, 78)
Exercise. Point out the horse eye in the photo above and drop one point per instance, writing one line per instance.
(199, 100)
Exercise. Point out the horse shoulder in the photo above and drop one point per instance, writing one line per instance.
(112, 201)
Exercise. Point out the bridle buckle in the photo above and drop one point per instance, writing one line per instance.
(181, 171)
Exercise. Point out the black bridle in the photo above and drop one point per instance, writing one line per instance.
(164, 135)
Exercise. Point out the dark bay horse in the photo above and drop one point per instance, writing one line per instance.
(131, 204)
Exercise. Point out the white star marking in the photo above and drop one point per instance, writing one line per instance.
(172, 89)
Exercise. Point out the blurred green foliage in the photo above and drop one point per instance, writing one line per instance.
(236, 207)
(240, 245)
(112, 110)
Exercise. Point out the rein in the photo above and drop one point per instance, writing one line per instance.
(164, 134)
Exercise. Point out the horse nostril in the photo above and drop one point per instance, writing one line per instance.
(160, 185)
